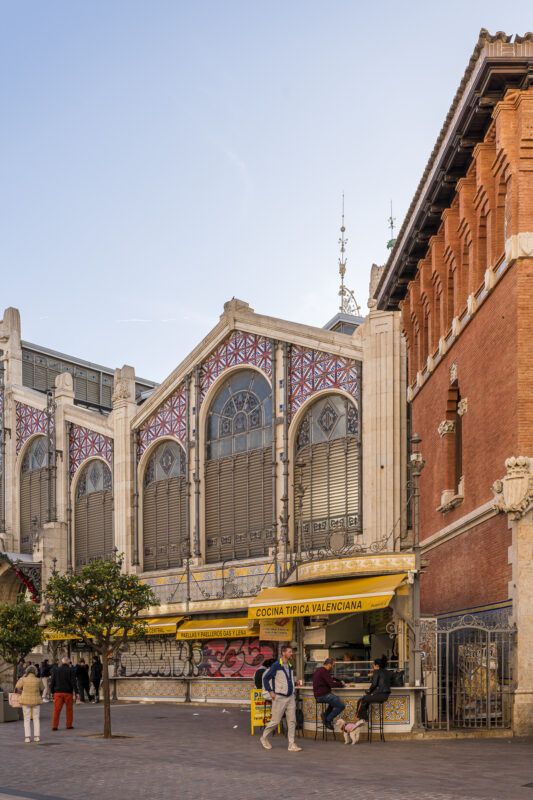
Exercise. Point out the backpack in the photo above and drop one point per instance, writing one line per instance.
(258, 677)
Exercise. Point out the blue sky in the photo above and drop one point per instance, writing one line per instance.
(158, 158)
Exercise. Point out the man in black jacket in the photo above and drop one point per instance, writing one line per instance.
(62, 687)
(379, 690)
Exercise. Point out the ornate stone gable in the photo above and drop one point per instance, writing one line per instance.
(84, 444)
(30, 420)
(238, 348)
(170, 419)
(311, 371)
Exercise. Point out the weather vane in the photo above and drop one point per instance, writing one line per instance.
(392, 220)
(348, 304)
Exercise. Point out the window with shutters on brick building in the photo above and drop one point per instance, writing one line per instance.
(34, 492)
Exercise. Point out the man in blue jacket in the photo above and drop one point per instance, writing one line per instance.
(279, 681)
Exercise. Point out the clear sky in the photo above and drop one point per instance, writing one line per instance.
(159, 157)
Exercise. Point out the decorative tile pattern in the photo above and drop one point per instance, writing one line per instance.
(221, 690)
(170, 419)
(395, 712)
(238, 348)
(29, 420)
(312, 370)
(151, 688)
(85, 443)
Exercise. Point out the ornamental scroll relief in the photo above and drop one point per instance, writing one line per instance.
(513, 494)
(446, 426)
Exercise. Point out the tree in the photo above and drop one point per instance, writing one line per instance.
(100, 605)
(20, 631)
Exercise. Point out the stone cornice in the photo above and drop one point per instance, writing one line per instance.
(459, 526)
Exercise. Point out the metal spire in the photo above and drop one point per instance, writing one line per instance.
(392, 220)
(348, 304)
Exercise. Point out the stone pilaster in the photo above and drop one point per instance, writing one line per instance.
(514, 496)
(124, 409)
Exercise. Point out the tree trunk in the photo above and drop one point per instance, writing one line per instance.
(107, 698)
(14, 675)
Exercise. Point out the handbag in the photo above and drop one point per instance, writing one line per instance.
(14, 700)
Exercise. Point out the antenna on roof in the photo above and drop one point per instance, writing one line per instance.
(392, 220)
(348, 304)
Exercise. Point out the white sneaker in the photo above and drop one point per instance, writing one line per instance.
(36, 739)
(266, 744)
(293, 748)
(27, 740)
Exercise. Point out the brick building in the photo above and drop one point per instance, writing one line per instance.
(461, 271)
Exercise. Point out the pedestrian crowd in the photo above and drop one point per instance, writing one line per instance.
(60, 683)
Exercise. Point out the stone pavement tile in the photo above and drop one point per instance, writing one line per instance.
(192, 753)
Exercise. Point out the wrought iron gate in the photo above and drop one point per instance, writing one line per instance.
(468, 674)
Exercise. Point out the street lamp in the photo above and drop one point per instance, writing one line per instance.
(417, 465)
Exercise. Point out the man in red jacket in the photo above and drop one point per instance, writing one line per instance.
(323, 683)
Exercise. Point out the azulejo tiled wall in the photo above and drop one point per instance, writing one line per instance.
(30, 420)
(173, 690)
(236, 691)
(396, 710)
(85, 443)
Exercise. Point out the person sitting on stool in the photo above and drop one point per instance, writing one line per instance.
(379, 690)
(323, 683)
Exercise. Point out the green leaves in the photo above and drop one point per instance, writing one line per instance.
(100, 604)
(20, 631)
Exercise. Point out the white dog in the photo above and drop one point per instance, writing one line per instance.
(349, 730)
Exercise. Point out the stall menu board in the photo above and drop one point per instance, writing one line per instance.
(276, 630)
(260, 710)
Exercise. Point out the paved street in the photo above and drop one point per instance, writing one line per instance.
(194, 752)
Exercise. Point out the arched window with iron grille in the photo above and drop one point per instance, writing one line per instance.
(93, 515)
(238, 472)
(327, 474)
(165, 535)
(34, 477)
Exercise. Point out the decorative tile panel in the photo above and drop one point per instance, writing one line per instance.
(396, 710)
(239, 348)
(151, 688)
(170, 419)
(85, 443)
(311, 371)
(30, 420)
(221, 690)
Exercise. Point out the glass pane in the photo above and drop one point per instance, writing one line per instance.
(225, 447)
(240, 443)
(212, 450)
(212, 426)
(255, 440)
(220, 399)
(240, 380)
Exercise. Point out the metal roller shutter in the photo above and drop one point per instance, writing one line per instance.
(165, 540)
(33, 503)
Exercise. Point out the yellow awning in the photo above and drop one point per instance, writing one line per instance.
(216, 629)
(53, 636)
(335, 597)
(157, 625)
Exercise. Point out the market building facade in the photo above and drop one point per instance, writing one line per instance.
(272, 458)
(460, 272)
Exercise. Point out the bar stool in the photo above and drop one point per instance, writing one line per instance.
(319, 719)
(379, 704)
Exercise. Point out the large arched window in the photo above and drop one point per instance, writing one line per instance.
(328, 469)
(238, 474)
(93, 515)
(165, 536)
(33, 492)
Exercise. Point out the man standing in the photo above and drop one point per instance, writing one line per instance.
(323, 683)
(62, 689)
(82, 679)
(96, 677)
(278, 680)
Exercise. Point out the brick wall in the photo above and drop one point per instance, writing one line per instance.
(468, 571)
(486, 356)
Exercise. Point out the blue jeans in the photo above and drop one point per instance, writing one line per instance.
(334, 708)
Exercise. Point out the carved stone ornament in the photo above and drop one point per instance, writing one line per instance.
(121, 391)
(446, 426)
(519, 246)
(462, 406)
(453, 372)
(514, 493)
